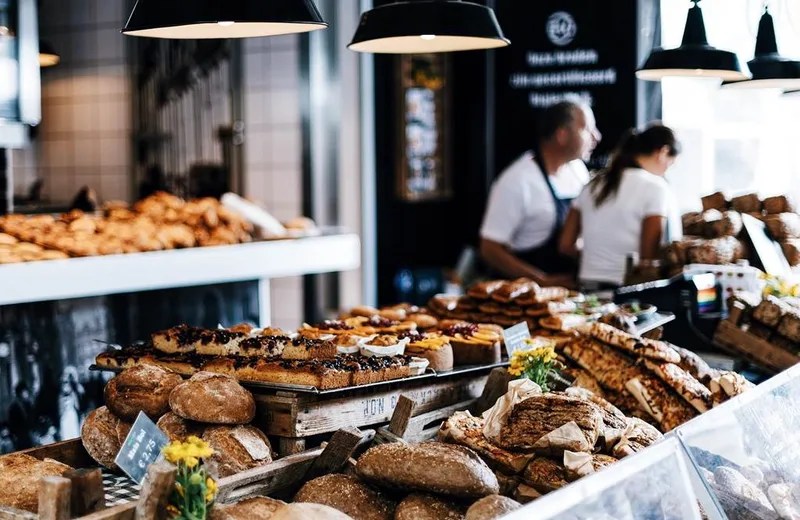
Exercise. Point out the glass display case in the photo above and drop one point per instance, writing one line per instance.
(651, 485)
(747, 451)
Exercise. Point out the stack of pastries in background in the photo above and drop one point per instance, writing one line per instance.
(213, 407)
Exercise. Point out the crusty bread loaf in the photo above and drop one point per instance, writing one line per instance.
(19, 479)
(715, 201)
(349, 495)
(426, 507)
(302, 511)
(179, 429)
(777, 205)
(143, 388)
(213, 399)
(103, 434)
(749, 203)
(256, 508)
(236, 449)
(491, 508)
(431, 467)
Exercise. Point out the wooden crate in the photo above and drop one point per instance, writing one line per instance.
(294, 417)
(284, 474)
(733, 338)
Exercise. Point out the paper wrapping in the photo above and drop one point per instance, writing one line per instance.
(577, 465)
(497, 416)
(568, 437)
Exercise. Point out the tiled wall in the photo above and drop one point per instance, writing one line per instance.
(85, 134)
(273, 147)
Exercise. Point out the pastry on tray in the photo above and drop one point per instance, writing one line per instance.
(474, 344)
(443, 304)
(510, 291)
(434, 347)
(484, 290)
(551, 308)
(383, 345)
(543, 295)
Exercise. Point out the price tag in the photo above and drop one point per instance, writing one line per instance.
(515, 337)
(141, 448)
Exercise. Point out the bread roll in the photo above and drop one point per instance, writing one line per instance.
(777, 205)
(213, 399)
(715, 201)
(103, 434)
(260, 508)
(236, 449)
(431, 467)
(749, 203)
(143, 388)
(19, 479)
(179, 429)
(303, 511)
(349, 495)
(492, 507)
(426, 507)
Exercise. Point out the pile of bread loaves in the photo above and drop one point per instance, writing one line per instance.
(773, 319)
(428, 481)
(214, 407)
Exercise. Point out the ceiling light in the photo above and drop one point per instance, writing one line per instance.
(422, 26)
(769, 69)
(47, 54)
(201, 19)
(695, 57)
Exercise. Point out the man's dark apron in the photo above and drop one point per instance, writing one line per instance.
(546, 256)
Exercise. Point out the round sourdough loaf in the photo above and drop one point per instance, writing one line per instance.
(213, 399)
(19, 480)
(349, 495)
(143, 388)
(309, 512)
(426, 507)
(179, 429)
(102, 435)
(236, 449)
(491, 508)
(431, 467)
(260, 508)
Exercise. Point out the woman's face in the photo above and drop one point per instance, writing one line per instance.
(664, 159)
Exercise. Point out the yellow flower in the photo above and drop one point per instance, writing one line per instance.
(179, 489)
(174, 452)
(211, 489)
(191, 462)
(173, 511)
(195, 479)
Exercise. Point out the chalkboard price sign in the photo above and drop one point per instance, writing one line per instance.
(141, 448)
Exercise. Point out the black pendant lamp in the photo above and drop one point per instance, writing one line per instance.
(47, 54)
(694, 58)
(201, 19)
(769, 69)
(422, 26)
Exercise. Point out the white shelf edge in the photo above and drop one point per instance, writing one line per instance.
(97, 276)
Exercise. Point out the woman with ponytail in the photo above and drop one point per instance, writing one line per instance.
(626, 208)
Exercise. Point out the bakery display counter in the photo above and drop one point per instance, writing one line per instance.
(332, 251)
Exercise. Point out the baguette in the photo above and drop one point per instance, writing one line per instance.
(431, 467)
(349, 495)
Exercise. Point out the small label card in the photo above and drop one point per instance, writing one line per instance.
(141, 448)
(515, 337)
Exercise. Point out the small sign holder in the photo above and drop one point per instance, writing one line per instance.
(142, 447)
(514, 337)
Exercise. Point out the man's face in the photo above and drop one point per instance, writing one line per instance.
(581, 137)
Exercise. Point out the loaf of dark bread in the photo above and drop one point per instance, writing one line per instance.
(749, 203)
(19, 480)
(349, 495)
(143, 388)
(103, 434)
(492, 508)
(261, 508)
(791, 250)
(430, 467)
(303, 511)
(213, 399)
(179, 429)
(236, 449)
(715, 201)
(784, 226)
(426, 507)
(777, 205)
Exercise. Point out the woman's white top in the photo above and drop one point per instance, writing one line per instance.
(521, 212)
(612, 231)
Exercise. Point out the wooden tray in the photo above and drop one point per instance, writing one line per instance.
(731, 337)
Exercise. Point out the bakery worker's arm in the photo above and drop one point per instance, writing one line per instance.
(657, 207)
(504, 214)
(568, 244)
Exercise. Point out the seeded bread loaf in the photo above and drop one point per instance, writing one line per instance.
(349, 495)
(236, 449)
(19, 480)
(103, 434)
(426, 507)
(213, 399)
(143, 388)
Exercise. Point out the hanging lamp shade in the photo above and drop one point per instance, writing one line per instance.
(694, 58)
(422, 26)
(201, 19)
(768, 67)
(47, 54)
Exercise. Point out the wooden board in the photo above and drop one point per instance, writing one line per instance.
(755, 350)
(292, 415)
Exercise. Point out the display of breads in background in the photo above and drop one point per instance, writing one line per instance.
(158, 222)
(772, 318)
(213, 407)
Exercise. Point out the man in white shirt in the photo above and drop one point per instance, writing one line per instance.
(529, 201)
